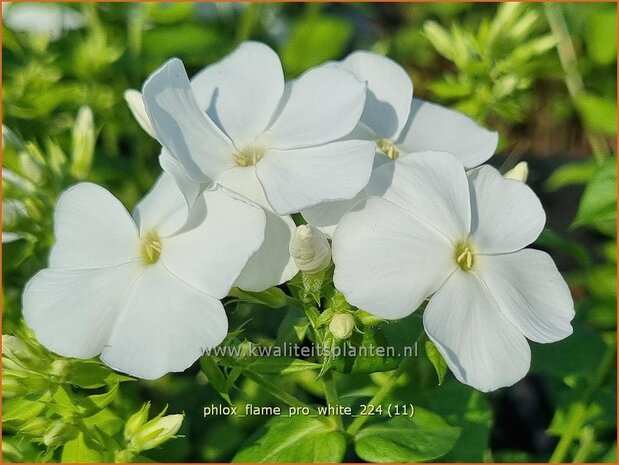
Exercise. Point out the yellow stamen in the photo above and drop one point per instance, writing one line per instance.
(465, 257)
(151, 248)
(388, 148)
(249, 155)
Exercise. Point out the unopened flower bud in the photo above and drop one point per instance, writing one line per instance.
(31, 167)
(156, 432)
(58, 434)
(35, 427)
(310, 249)
(342, 325)
(136, 421)
(83, 143)
(520, 172)
(13, 211)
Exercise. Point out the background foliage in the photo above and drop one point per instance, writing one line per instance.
(543, 75)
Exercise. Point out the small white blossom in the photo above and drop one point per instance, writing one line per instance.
(438, 231)
(144, 291)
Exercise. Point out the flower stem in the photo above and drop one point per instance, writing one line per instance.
(573, 80)
(380, 395)
(578, 412)
(331, 395)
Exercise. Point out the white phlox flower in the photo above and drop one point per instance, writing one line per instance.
(400, 125)
(272, 264)
(239, 115)
(142, 291)
(457, 237)
(239, 124)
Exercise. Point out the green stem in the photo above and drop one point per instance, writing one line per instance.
(331, 395)
(587, 442)
(569, 62)
(380, 395)
(277, 392)
(578, 412)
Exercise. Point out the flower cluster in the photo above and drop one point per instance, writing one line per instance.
(393, 181)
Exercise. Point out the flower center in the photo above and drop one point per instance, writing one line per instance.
(388, 148)
(151, 248)
(464, 256)
(249, 155)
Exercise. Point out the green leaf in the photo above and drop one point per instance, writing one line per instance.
(598, 206)
(215, 377)
(281, 365)
(425, 436)
(437, 361)
(570, 174)
(601, 36)
(293, 327)
(274, 297)
(599, 113)
(89, 374)
(76, 451)
(468, 409)
(295, 439)
(314, 40)
(96, 402)
(366, 353)
(21, 409)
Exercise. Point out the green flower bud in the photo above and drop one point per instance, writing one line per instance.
(31, 167)
(157, 431)
(310, 249)
(35, 427)
(13, 211)
(83, 143)
(136, 421)
(58, 434)
(342, 325)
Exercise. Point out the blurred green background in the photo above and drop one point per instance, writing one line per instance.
(543, 75)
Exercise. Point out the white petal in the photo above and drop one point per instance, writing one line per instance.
(272, 264)
(480, 346)
(190, 189)
(163, 208)
(322, 105)
(242, 91)
(436, 128)
(326, 216)
(389, 92)
(530, 292)
(93, 229)
(8, 237)
(431, 186)
(182, 127)
(506, 214)
(138, 110)
(301, 178)
(386, 261)
(72, 312)
(211, 256)
(165, 326)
